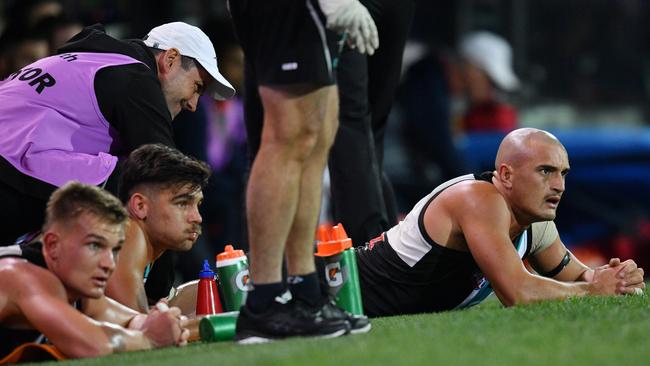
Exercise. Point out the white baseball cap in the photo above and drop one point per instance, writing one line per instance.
(491, 54)
(192, 42)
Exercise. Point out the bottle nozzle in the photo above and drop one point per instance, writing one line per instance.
(207, 271)
(229, 252)
(331, 240)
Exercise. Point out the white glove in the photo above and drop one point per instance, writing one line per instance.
(352, 17)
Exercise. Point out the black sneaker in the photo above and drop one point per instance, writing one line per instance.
(358, 323)
(292, 319)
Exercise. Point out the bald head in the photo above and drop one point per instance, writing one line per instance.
(519, 144)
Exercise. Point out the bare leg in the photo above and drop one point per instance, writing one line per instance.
(300, 249)
(293, 120)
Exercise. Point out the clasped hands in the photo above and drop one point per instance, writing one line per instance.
(618, 278)
(163, 326)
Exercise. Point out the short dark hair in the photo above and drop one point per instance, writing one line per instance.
(74, 198)
(162, 166)
(186, 62)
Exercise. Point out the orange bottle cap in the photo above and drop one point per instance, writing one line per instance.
(332, 240)
(230, 253)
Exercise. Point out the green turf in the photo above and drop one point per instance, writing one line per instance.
(587, 331)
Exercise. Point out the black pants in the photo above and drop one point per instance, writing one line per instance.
(362, 196)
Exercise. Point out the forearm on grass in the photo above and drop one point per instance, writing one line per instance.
(125, 340)
(587, 275)
(535, 288)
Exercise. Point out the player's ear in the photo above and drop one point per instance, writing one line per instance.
(138, 206)
(504, 174)
(52, 244)
(167, 60)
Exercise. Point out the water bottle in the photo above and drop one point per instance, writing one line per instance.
(207, 296)
(232, 268)
(218, 327)
(340, 271)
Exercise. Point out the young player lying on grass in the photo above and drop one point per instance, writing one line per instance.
(47, 287)
(470, 235)
(162, 190)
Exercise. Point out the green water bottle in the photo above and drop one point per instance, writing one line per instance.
(232, 268)
(340, 270)
(218, 327)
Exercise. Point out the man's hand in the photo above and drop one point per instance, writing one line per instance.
(630, 274)
(617, 278)
(165, 326)
(605, 281)
(352, 17)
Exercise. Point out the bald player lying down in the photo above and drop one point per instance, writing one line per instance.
(53, 291)
(470, 235)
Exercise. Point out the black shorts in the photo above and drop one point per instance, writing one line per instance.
(437, 282)
(285, 41)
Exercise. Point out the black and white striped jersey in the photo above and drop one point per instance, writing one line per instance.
(404, 271)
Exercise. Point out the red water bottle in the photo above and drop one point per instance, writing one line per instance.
(207, 296)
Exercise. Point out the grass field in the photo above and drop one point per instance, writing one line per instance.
(587, 331)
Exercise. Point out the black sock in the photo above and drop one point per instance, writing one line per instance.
(305, 287)
(262, 296)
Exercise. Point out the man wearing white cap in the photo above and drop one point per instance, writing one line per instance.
(71, 116)
(487, 69)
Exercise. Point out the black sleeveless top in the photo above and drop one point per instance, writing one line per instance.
(442, 279)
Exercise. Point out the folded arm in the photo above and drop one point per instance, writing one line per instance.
(488, 239)
(551, 259)
(163, 326)
(43, 303)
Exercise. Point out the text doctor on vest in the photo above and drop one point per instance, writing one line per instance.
(71, 116)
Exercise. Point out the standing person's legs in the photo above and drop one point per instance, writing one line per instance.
(384, 67)
(292, 123)
(384, 70)
(357, 198)
(300, 250)
(280, 214)
(289, 62)
(363, 198)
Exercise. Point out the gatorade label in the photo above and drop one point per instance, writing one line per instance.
(336, 276)
(242, 281)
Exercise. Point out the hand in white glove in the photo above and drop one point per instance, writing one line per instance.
(352, 17)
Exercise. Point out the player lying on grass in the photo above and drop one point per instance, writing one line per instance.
(468, 237)
(162, 190)
(47, 286)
